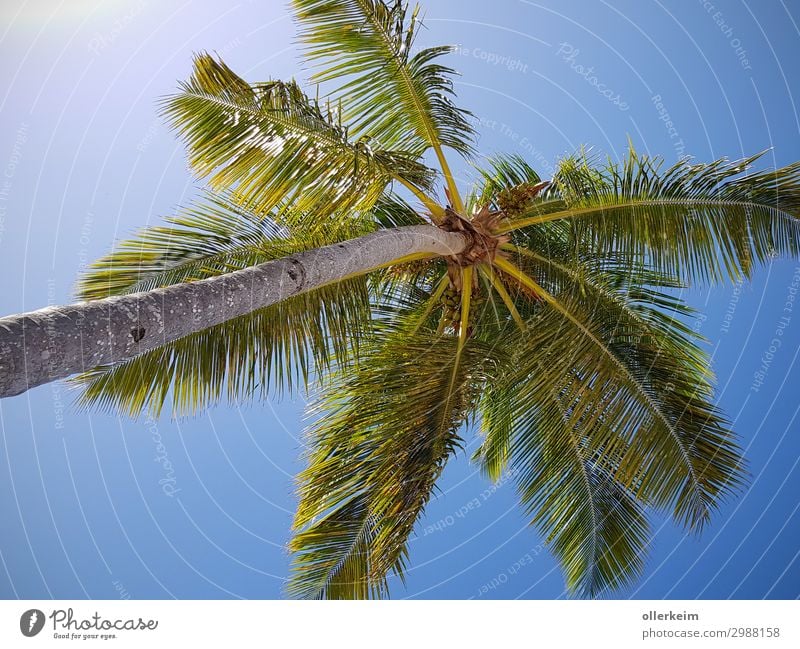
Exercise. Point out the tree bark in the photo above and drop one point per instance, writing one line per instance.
(52, 343)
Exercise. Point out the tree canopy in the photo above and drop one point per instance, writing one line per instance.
(558, 336)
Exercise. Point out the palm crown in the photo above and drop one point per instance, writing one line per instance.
(556, 334)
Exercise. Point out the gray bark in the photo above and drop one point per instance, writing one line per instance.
(52, 343)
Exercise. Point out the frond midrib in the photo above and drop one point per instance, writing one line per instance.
(325, 582)
(585, 478)
(400, 68)
(646, 202)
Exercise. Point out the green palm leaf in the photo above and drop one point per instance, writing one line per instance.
(649, 387)
(210, 237)
(605, 408)
(400, 99)
(701, 222)
(263, 353)
(277, 147)
(390, 95)
(382, 441)
(591, 522)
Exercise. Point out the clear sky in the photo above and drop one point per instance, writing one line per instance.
(97, 506)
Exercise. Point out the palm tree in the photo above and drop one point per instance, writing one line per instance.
(542, 315)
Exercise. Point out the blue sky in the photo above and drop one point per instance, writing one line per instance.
(102, 507)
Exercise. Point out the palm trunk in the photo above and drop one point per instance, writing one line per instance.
(52, 343)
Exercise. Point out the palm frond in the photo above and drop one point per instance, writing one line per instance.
(645, 380)
(382, 441)
(277, 147)
(400, 99)
(392, 211)
(497, 427)
(700, 222)
(594, 525)
(605, 408)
